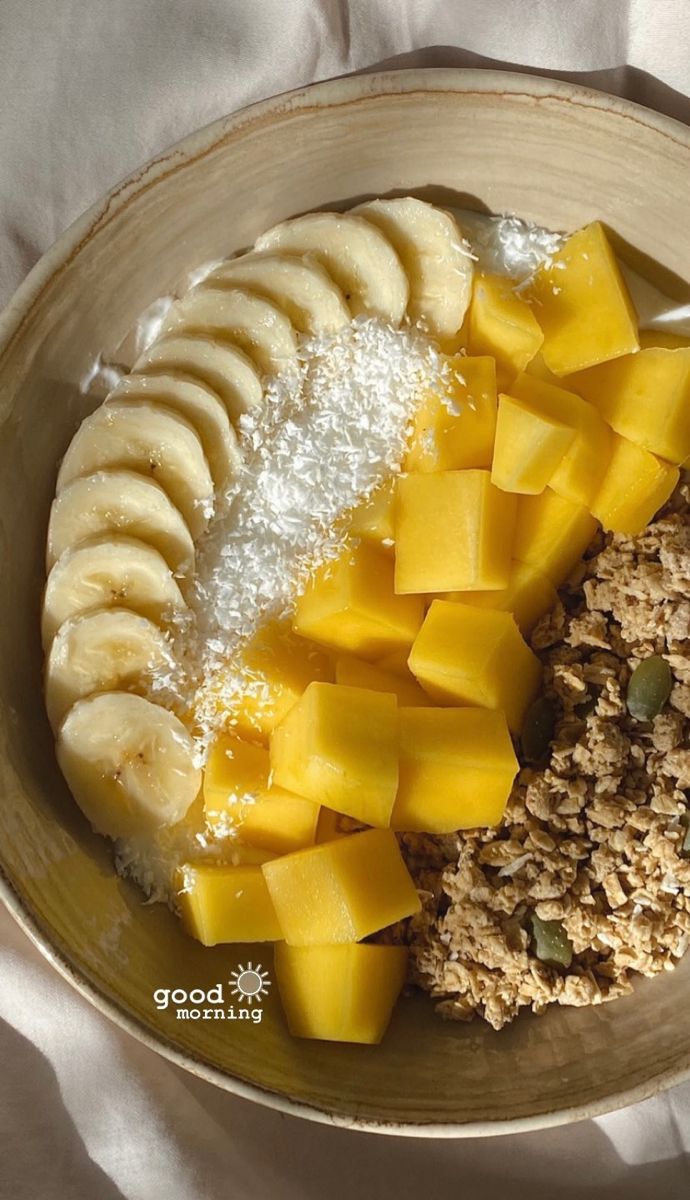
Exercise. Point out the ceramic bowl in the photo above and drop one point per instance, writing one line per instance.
(553, 153)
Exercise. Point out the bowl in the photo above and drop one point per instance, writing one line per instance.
(553, 153)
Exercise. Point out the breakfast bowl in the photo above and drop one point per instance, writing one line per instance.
(556, 155)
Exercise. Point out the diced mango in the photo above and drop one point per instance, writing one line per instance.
(457, 766)
(528, 595)
(454, 531)
(477, 657)
(350, 605)
(659, 337)
(342, 993)
(354, 672)
(552, 534)
(502, 324)
(456, 430)
(634, 488)
(396, 663)
(338, 746)
(341, 891)
(530, 446)
(583, 305)
(328, 826)
(582, 468)
(276, 667)
(238, 798)
(374, 520)
(646, 398)
(226, 904)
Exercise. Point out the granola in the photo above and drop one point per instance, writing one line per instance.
(595, 839)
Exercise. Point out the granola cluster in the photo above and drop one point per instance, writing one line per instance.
(595, 839)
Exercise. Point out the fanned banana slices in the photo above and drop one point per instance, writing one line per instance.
(143, 473)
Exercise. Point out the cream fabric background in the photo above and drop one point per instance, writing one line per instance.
(89, 89)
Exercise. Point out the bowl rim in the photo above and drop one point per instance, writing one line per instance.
(337, 92)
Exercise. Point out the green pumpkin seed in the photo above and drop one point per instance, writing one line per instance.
(537, 731)
(649, 688)
(552, 945)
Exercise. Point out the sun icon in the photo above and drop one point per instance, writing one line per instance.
(251, 983)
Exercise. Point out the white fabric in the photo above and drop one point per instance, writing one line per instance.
(89, 89)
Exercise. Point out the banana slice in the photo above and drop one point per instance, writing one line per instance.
(200, 406)
(223, 367)
(256, 325)
(145, 437)
(430, 246)
(119, 502)
(299, 286)
(128, 763)
(109, 650)
(106, 573)
(356, 255)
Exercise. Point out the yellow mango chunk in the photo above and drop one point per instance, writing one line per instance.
(477, 657)
(374, 519)
(328, 826)
(350, 605)
(274, 670)
(453, 532)
(353, 672)
(645, 397)
(634, 488)
(341, 891)
(226, 904)
(530, 445)
(658, 337)
(528, 595)
(552, 534)
(342, 993)
(456, 430)
(583, 305)
(396, 663)
(238, 799)
(502, 324)
(338, 747)
(457, 766)
(581, 469)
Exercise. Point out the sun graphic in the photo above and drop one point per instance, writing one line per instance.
(251, 983)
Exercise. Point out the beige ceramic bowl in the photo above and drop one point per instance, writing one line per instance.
(548, 151)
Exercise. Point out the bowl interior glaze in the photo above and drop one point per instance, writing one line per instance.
(547, 151)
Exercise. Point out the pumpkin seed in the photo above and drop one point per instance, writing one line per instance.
(649, 688)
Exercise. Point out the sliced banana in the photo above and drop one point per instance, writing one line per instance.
(300, 286)
(146, 437)
(112, 649)
(119, 502)
(430, 246)
(110, 572)
(128, 763)
(223, 367)
(256, 325)
(200, 406)
(356, 255)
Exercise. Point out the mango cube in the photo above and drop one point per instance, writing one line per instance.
(338, 747)
(530, 446)
(354, 672)
(581, 469)
(477, 657)
(528, 595)
(634, 488)
(502, 324)
(457, 767)
(374, 519)
(226, 904)
(583, 305)
(552, 534)
(453, 532)
(342, 993)
(275, 668)
(659, 337)
(328, 825)
(456, 429)
(350, 605)
(280, 822)
(645, 397)
(341, 891)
